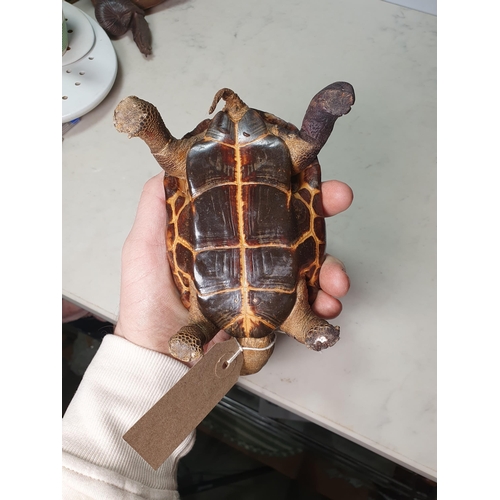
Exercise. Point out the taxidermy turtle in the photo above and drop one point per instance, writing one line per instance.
(246, 232)
(116, 17)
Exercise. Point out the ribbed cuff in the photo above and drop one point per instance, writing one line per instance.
(122, 383)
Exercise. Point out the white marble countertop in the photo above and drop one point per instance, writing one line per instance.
(377, 386)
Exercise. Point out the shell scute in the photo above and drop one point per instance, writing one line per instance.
(183, 225)
(302, 216)
(221, 129)
(215, 220)
(271, 268)
(251, 127)
(209, 164)
(267, 161)
(217, 270)
(184, 260)
(267, 216)
(271, 307)
(222, 308)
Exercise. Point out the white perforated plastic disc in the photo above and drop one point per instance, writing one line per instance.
(87, 77)
(81, 36)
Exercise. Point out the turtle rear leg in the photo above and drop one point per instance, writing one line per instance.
(303, 325)
(187, 344)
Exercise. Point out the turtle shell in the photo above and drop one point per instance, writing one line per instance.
(242, 227)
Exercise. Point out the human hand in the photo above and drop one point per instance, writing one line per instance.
(150, 308)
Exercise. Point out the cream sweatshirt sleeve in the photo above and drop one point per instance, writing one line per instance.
(122, 382)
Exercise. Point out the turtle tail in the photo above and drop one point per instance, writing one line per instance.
(234, 107)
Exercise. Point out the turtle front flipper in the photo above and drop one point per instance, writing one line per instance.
(139, 118)
(303, 325)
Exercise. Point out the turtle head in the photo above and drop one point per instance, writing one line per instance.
(234, 107)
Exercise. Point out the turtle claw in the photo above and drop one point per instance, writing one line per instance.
(322, 336)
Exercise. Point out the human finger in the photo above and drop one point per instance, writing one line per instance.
(150, 219)
(221, 336)
(337, 197)
(333, 278)
(325, 306)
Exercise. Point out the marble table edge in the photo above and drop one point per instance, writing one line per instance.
(357, 438)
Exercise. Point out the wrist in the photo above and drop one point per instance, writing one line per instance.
(153, 340)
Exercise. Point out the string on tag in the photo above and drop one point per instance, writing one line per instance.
(241, 349)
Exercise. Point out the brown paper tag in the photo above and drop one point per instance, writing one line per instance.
(163, 428)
